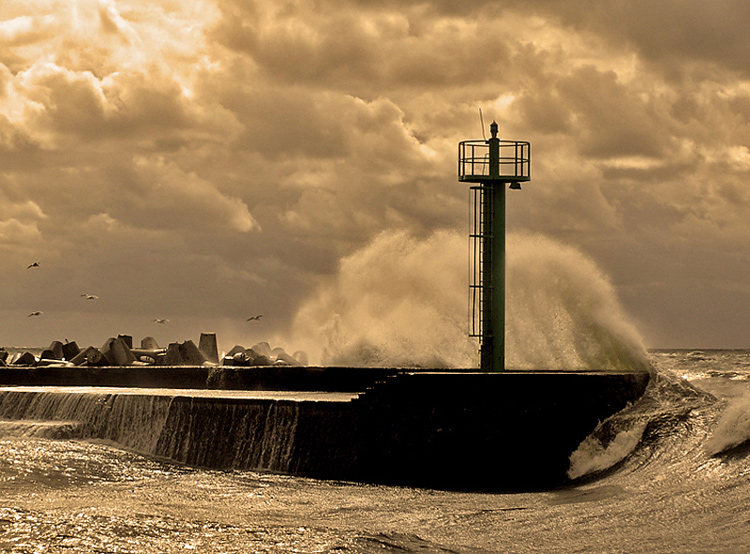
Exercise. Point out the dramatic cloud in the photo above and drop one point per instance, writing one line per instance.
(207, 160)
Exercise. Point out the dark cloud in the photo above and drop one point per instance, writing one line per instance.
(355, 50)
(669, 34)
(609, 118)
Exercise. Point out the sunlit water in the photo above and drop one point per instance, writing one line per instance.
(680, 483)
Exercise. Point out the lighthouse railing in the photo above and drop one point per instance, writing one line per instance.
(474, 161)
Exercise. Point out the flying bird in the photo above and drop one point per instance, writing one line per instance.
(35, 264)
(90, 296)
(35, 313)
(161, 320)
(254, 318)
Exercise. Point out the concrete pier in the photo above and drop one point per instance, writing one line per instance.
(497, 431)
(439, 429)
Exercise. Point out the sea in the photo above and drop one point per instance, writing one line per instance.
(669, 474)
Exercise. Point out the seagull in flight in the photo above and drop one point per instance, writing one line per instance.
(90, 296)
(161, 320)
(35, 264)
(254, 318)
(34, 313)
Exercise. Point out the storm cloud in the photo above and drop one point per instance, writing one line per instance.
(204, 160)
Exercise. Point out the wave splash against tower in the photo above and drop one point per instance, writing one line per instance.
(401, 301)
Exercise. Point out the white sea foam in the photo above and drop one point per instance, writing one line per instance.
(39, 429)
(592, 456)
(732, 427)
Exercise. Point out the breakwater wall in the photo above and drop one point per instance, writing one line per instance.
(458, 429)
(278, 378)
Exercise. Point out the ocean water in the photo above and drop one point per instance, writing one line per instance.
(671, 473)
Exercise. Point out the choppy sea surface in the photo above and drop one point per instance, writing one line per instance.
(671, 473)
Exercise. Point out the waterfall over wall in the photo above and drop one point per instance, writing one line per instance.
(210, 432)
(259, 435)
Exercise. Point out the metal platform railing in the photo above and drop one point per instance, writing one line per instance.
(514, 164)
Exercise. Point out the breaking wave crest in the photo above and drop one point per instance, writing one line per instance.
(732, 428)
(661, 423)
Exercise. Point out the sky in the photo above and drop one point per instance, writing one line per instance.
(206, 162)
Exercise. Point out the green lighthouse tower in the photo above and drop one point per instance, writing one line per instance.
(494, 165)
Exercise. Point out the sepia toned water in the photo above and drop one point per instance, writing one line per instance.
(669, 474)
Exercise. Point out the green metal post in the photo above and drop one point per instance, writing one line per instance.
(481, 162)
(492, 355)
(498, 279)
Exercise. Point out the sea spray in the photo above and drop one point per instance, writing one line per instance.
(562, 312)
(402, 301)
(399, 301)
